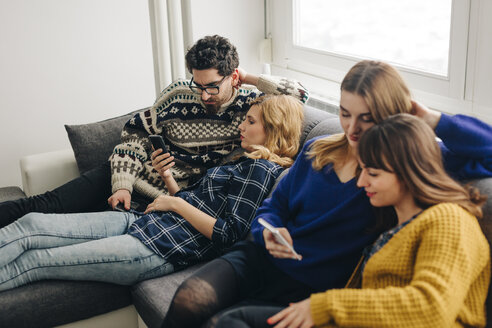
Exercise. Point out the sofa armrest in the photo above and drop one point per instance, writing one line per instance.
(46, 171)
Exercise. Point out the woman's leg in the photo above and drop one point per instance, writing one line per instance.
(218, 285)
(44, 231)
(87, 193)
(209, 290)
(120, 259)
(247, 316)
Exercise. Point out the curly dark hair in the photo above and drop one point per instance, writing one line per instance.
(213, 52)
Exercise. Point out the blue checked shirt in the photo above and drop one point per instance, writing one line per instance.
(230, 193)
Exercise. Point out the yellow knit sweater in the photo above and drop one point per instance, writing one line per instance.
(434, 272)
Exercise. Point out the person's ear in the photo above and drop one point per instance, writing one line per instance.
(235, 79)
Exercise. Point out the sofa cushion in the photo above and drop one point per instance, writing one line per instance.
(312, 118)
(93, 143)
(54, 302)
(153, 297)
(11, 193)
(330, 125)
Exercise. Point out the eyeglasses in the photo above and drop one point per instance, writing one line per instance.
(210, 89)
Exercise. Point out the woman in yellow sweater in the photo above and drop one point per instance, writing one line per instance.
(431, 269)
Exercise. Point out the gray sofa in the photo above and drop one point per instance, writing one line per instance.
(93, 304)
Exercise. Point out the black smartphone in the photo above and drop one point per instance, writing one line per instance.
(120, 207)
(158, 142)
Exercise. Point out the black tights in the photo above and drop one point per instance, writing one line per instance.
(211, 289)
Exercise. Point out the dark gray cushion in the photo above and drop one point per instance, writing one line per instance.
(153, 297)
(93, 143)
(52, 302)
(11, 193)
(312, 117)
(329, 125)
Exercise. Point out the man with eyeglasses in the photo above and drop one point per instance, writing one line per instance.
(198, 120)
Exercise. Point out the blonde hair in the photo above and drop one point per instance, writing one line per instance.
(282, 118)
(384, 92)
(406, 146)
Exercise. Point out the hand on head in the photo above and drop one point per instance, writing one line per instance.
(245, 78)
(431, 117)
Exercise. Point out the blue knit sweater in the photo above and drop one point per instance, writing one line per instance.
(329, 220)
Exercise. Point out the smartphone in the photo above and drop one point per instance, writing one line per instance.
(158, 142)
(278, 236)
(121, 208)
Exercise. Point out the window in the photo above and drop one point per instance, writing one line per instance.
(317, 41)
(409, 33)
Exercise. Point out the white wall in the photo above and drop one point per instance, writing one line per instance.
(80, 61)
(68, 62)
(241, 21)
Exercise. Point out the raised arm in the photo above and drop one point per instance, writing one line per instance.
(274, 85)
(466, 146)
(162, 162)
(466, 142)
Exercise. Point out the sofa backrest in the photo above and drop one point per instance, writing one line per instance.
(315, 123)
(485, 187)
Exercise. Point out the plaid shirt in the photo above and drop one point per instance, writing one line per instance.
(230, 193)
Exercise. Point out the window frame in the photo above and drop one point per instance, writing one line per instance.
(325, 71)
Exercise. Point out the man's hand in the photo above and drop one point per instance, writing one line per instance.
(275, 248)
(245, 78)
(120, 196)
(296, 315)
(162, 163)
(431, 117)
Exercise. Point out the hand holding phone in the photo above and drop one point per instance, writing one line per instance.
(158, 142)
(121, 207)
(278, 236)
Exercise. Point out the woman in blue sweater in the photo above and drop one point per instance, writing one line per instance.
(320, 210)
(195, 224)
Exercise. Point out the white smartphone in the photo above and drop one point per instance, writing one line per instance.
(278, 236)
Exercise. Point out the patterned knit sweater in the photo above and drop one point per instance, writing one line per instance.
(434, 272)
(197, 140)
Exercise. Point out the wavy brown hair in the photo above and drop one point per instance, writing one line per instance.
(213, 51)
(385, 93)
(407, 146)
(282, 118)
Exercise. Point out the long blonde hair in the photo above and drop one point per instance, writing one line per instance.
(385, 93)
(282, 118)
(406, 146)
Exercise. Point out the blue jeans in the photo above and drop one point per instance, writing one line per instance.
(85, 246)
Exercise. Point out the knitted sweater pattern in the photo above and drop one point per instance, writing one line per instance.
(434, 272)
(198, 140)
